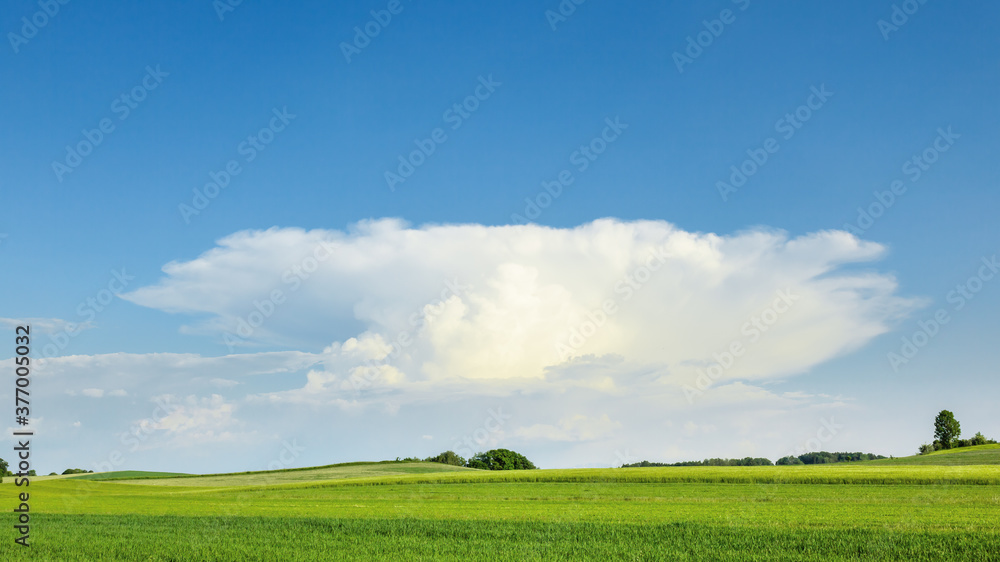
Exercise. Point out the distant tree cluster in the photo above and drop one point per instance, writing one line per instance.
(823, 457)
(495, 459)
(5, 472)
(947, 431)
(748, 461)
(447, 457)
(76, 471)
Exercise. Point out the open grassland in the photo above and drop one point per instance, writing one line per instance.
(135, 474)
(332, 472)
(980, 454)
(839, 512)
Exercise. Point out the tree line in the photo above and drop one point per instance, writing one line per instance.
(821, 457)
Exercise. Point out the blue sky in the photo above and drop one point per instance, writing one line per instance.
(207, 82)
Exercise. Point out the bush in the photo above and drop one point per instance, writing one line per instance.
(500, 459)
(447, 457)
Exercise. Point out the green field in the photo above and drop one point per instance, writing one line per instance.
(982, 454)
(135, 474)
(904, 510)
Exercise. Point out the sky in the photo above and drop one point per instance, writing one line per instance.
(254, 235)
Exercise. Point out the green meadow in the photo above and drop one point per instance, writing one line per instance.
(943, 506)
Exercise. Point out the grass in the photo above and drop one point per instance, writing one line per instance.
(978, 455)
(861, 511)
(122, 474)
(330, 472)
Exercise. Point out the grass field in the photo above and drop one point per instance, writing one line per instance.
(135, 474)
(982, 454)
(906, 510)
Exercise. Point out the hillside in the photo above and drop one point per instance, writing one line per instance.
(120, 474)
(980, 454)
(319, 473)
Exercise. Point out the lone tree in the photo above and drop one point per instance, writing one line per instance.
(946, 429)
(3, 469)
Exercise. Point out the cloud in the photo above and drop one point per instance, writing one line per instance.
(486, 308)
(46, 325)
(194, 420)
(575, 428)
(92, 392)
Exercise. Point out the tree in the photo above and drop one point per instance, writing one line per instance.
(500, 459)
(946, 428)
(3, 469)
(448, 457)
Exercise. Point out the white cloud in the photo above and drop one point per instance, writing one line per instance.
(92, 392)
(454, 305)
(574, 428)
(198, 420)
(46, 325)
(224, 383)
